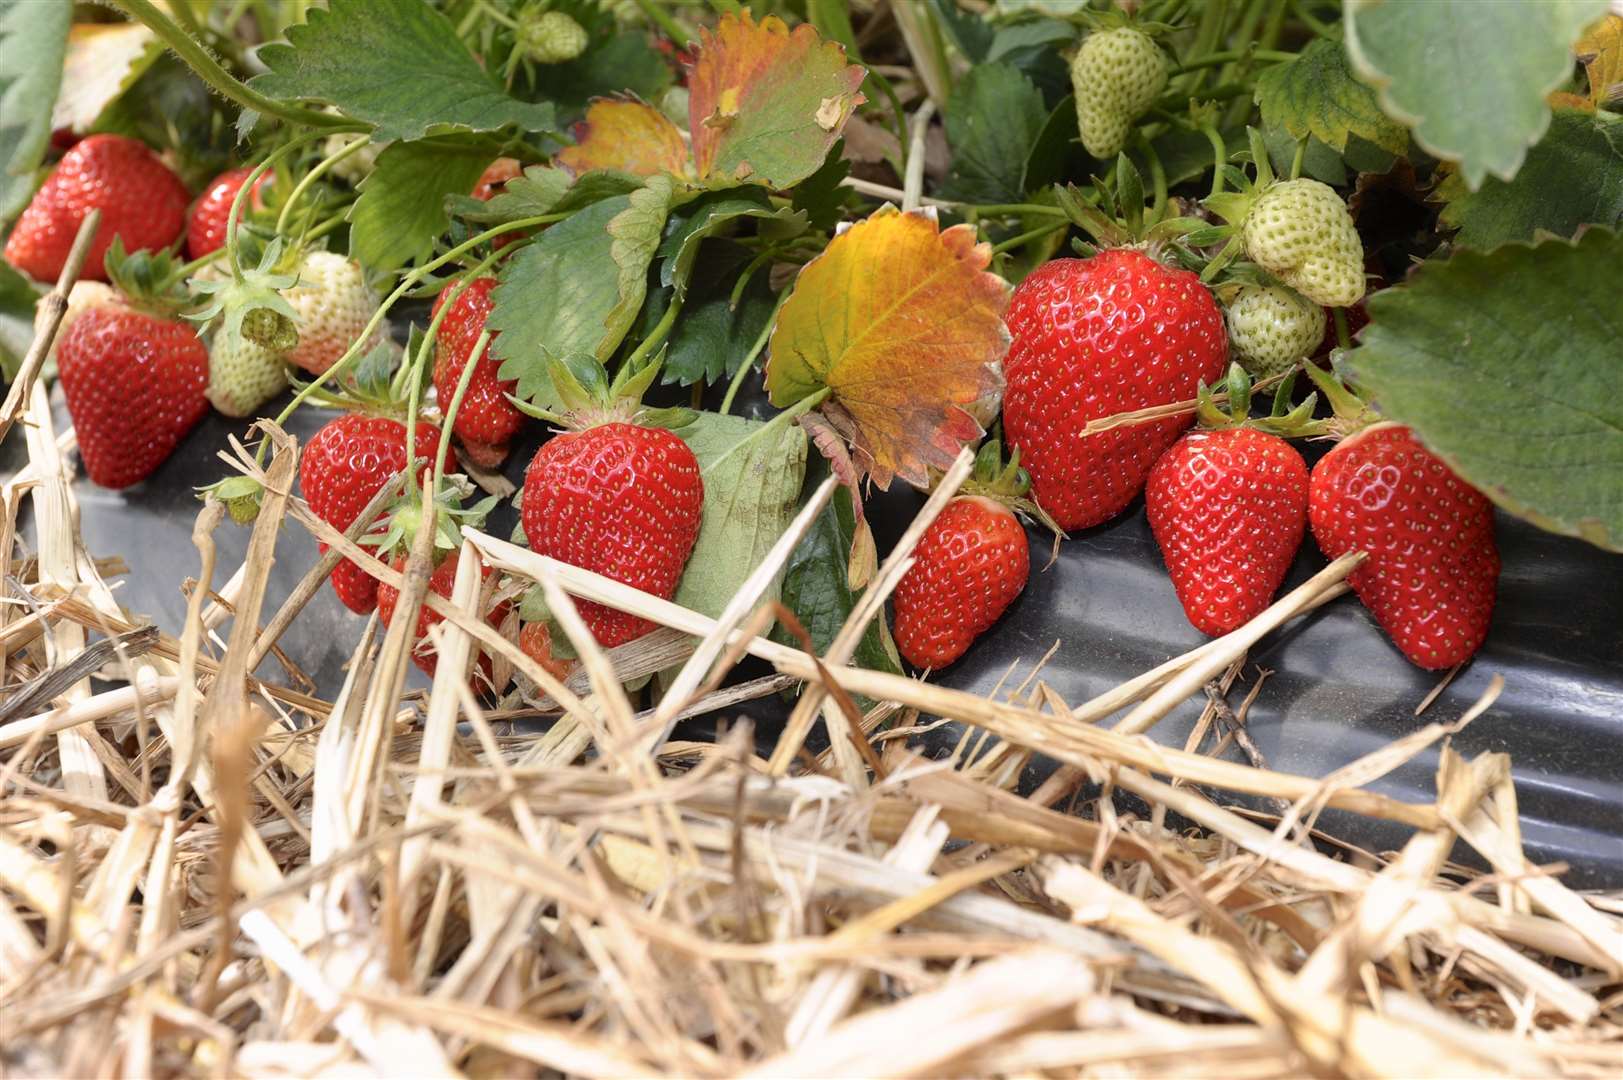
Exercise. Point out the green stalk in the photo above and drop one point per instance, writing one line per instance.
(1301, 154)
(656, 337)
(1158, 178)
(776, 424)
(1220, 156)
(1299, 7)
(662, 18)
(1011, 209)
(1343, 331)
(755, 351)
(462, 382)
(1229, 56)
(246, 190)
(199, 60)
(309, 179)
(1026, 237)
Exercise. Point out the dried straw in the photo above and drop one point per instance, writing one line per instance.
(202, 872)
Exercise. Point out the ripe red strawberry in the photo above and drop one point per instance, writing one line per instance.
(1228, 509)
(486, 419)
(621, 500)
(343, 466)
(423, 653)
(495, 178)
(535, 638)
(135, 384)
(141, 201)
(1433, 565)
(968, 567)
(211, 213)
(1093, 338)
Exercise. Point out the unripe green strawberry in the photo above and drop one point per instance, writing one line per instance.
(550, 37)
(1116, 76)
(333, 304)
(1271, 328)
(243, 375)
(1300, 231)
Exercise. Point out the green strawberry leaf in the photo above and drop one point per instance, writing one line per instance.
(33, 44)
(1573, 177)
(822, 195)
(973, 35)
(1505, 365)
(995, 117)
(396, 64)
(401, 209)
(577, 287)
(708, 216)
(752, 479)
(712, 336)
(1468, 78)
(1316, 94)
(542, 189)
(817, 586)
(17, 299)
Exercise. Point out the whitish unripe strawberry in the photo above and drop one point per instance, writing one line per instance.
(1271, 328)
(550, 37)
(243, 375)
(333, 304)
(1300, 232)
(1116, 76)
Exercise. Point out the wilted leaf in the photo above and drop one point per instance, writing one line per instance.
(1601, 51)
(1468, 78)
(764, 105)
(994, 118)
(766, 102)
(1505, 364)
(102, 60)
(576, 288)
(33, 39)
(1573, 177)
(401, 208)
(752, 480)
(1316, 94)
(630, 136)
(396, 64)
(904, 325)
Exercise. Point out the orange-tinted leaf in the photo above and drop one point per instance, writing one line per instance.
(1601, 52)
(629, 135)
(904, 325)
(766, 102)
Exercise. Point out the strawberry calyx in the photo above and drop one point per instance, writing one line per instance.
(241, 495)
(1113, 214)
(1352, 415)
(588, 398)
(251, 305)
(406, 516)
(1283, 419)
(1006, 483)
(146, 280)
(369, 385)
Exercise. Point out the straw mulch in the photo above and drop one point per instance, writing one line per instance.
(202, 873)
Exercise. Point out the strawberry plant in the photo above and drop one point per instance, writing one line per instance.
(716, 245)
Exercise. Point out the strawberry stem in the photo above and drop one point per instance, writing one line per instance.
(246, 190)
(309, 179)
(755, 351)
(451, 410)
(209, 70)
(1026, 237)
(656, 337)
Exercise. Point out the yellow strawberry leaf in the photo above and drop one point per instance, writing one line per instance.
(630, 136)
(766, 103)
(903, 324)
(1600, 51)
